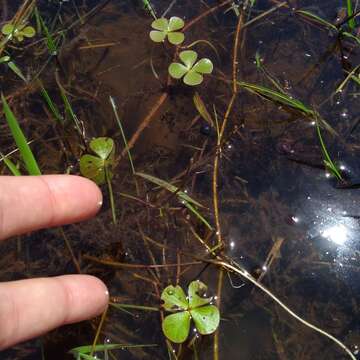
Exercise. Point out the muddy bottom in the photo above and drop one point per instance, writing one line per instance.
(282, 215)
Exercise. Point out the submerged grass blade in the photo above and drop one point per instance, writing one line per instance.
(15, 69)
(330, 165)
(286, 100)
(202, 110)
(317, 19)
(69, 110)
(11, 166)
(86, 349)
(135, 307)
(164, 184)
(113, 105)
(51, 105)
(277, 96)
(51, 45)
(350, 12)
(196, 213)
(20, 140)
(186, 199)
(150, 8)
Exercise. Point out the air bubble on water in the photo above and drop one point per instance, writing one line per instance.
(344, 113)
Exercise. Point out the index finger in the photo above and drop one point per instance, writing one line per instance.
(32, 202)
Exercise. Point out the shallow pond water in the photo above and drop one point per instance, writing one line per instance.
(282, 217)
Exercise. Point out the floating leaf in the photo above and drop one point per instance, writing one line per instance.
(174, 298)
(175, 23)
(206, 319)
(28, 31)
(192, 71)
(197, 292)
(93, 168)
(18, 32)
(102, 146)
(176, 326)
(177, 70)
(157, 36)
(188, 57)
(167, 28)
(7, 29)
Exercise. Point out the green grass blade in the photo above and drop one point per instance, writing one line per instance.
(69, 110)
(186, 199)
(197, 214)
(150, 8)
(164, 184)
(351, 36)
(135, 307)
(50, 43)
(202, 110)
(327, 159)
(317, 19)
(14, 68)
(83, 350)
(114, 107)
(11, 166)
(51, 105)
(286, 100)
(20, 140)
(277, 96)
(350, 12)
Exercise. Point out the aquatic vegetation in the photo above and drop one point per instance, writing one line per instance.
(86, 351)
(149, 7)
(51, 105)
(191, 71)
(117, 117)
(184, 198)
(50, 42)
(329, 164)
(18, 32)
(12, 66)
(99, 168)
(196, 306)
(30, 162)
(10, 165)
(164, 28)
(350, 13)
(202, 110)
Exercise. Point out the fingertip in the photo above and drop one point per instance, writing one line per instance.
(87, 295)
(76, 197)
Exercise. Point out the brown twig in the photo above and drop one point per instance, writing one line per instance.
(136, 266)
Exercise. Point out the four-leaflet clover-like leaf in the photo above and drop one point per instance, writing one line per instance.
(193, 72)
(167, 28)
(196, 306)
(19, 32)
(98, 167)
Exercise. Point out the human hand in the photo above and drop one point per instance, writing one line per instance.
(29, 308)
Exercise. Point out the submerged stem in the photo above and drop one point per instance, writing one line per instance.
(111, 195)
(242, 272)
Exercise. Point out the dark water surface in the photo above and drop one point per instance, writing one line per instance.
(282, 217)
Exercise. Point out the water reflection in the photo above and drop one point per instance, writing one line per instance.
(339, 227)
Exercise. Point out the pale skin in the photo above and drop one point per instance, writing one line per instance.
(31, 307)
